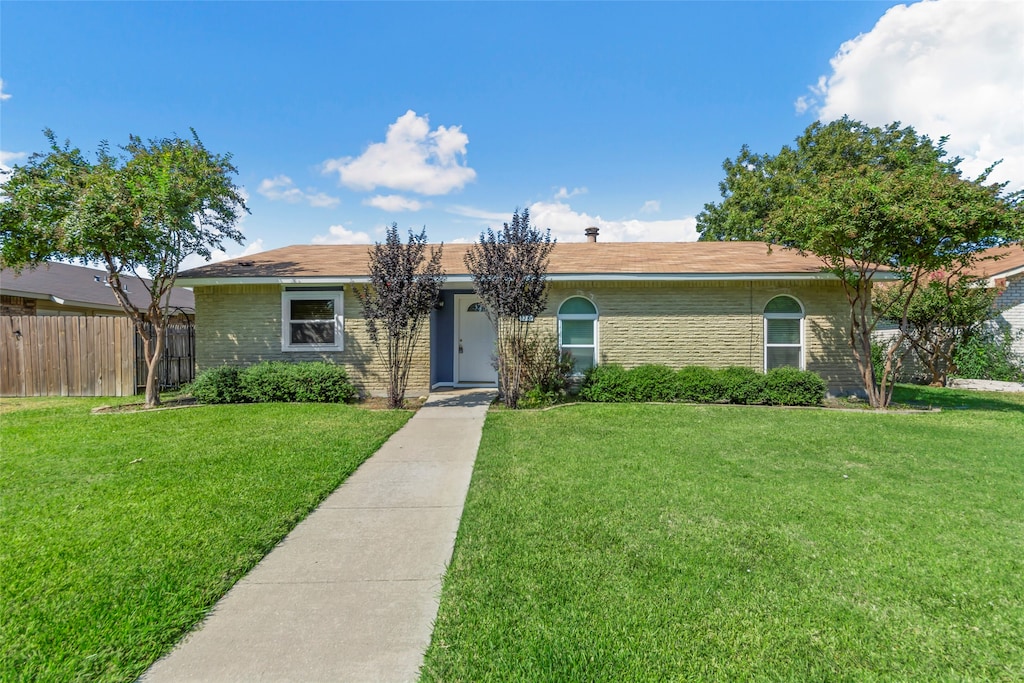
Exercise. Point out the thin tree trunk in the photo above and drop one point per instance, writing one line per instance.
(152, 350)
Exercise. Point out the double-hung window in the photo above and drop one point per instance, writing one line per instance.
(312, 320)
(783, 333)
(577, 332)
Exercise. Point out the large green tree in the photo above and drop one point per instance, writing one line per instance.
(866, 200)
(509, 270)
(404, 285)
(139, 211)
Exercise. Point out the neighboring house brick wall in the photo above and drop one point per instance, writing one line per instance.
(241, 325)
(16, 305)
(715, 324)
(1011, 301)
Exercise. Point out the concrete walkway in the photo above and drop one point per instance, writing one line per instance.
(351, 593)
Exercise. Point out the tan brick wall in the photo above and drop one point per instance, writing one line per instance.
(715, 324)
(241, 325)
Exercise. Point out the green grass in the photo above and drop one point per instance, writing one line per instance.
(121, 530)
(670, 542)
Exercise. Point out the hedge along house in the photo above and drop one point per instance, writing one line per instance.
(715, 304)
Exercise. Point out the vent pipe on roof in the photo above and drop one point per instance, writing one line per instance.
(591, 234)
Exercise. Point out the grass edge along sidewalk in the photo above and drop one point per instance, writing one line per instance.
(670, 542)
(121, 530)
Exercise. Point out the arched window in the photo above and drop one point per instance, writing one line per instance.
(783, 333)
(577, 332)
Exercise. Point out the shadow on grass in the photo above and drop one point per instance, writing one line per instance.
(958, 399)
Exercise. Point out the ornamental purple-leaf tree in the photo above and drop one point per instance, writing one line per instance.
(509, 270)
(404, 285)
(866, 201)
(138, 211)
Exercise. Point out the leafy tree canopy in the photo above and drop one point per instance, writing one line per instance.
(141, 210)
(864, 199)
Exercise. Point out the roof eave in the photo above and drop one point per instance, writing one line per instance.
(556, 277)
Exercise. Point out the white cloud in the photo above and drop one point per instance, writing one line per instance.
(339, 234)
(281, 188)
(194, 260)
(945, 67)
(412, 158)
(3, 95)
(470, 212)
(6, 159)
(651, 206)
(564, 193)
(393, 202)
(568, 226)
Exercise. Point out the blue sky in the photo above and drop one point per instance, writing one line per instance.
(345, 117)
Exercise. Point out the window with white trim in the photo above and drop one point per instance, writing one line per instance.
(312, 320)
(783, 333)
(577, 332)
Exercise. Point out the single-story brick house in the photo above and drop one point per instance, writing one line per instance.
(682, 303)
(1005, 270)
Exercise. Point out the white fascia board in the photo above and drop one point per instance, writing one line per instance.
(686, 277)
(86, 304)
(680, 277)
(24, 295)
(665, 277)
(39, 296)
(213, 281)
(462, 279)
(1005, 275)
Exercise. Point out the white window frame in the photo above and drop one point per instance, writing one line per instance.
(579, 316)
(287, 297)
(785, 316)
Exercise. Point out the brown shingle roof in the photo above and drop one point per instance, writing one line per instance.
(587, 259)
(1005, 259)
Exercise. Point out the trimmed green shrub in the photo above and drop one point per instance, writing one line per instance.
(652, 383)
(793, 387)
(782, 386)
(606, 384)
(322, 382)
(274, 382)
(281, 382)
(218, 385)
(742, 385)
(700, 385)
(270, 382)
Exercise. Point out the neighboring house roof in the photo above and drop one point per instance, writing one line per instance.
(81, 287)
(999, 263)
(568, 261)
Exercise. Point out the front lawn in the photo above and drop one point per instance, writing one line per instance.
(121, 530)
(672, 542)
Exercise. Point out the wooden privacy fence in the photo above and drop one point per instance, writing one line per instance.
(84, 356)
